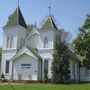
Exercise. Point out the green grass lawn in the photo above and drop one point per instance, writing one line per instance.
(41, 86)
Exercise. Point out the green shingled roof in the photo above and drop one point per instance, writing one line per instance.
(49, 23)
(16, 19)
(33, 50)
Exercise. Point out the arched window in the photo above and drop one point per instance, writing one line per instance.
(21, 43)
(11, 42)
(45, 42)
(7, 42)
(45, 66)
(7, 66)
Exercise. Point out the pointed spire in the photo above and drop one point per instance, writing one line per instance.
(53, 22)
(18, 11)
(49, 23)
(16, 19)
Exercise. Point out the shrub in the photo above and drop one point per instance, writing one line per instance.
(45, 77)
(2, 75)
(2, 78)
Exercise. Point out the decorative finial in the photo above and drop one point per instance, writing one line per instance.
(35, 24)
(49, 10)
(17, 11)
(18, 3)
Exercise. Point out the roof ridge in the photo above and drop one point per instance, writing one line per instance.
(51, 19)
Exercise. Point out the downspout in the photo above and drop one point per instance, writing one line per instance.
(12, 69)
(79, 70)
(41, 69)
(74, 72)
(38, 70)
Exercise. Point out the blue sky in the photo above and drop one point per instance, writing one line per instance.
(69, 14)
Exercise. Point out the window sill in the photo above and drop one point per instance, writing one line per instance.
(46, 49)
(6, 74)
(9, 49)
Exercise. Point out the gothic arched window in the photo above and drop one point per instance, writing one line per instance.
(21, 41)
(45, 42)
(11, 42)
(7, 42)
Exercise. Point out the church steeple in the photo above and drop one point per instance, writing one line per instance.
(49, 22)
(16, 19)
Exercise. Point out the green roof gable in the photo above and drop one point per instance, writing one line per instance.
(49, 23)
(16, 19)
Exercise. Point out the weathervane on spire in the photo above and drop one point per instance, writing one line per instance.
(49, 10)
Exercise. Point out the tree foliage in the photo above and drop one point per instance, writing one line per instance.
(2, 75)
(30, 26)
(45, 77)
(82, 42)
(65, 36)
(60, 64)
(87, 22)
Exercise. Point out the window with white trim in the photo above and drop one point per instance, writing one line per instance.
(7, 66)
(7, 42)
(21, 43)
(11, 42)
(46, 66)
(45, 42)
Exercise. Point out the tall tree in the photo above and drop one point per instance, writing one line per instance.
(60, 64)
(82, 42)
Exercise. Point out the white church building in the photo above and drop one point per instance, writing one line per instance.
(27, 54)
